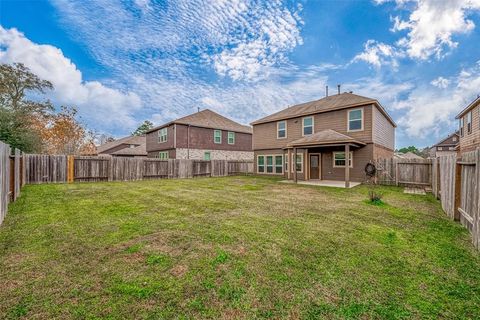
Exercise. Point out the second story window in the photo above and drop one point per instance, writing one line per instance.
(355, 120)
(281, 129)
(461, 126)
(307, 126)
(469, 122)
(162, 135)
(231, 137)
(217, 136)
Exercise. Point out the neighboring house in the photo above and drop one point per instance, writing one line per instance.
(469, 126)
(446, 147)
(323, 134)
(130, 147)
(408, 156)
(204, 135)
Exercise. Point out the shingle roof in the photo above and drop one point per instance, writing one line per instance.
(408, 155)
(137, 140)
(209, 119)
(334, 102)
(325, 137)
(140, 150)
(472, 105)
(443, 142)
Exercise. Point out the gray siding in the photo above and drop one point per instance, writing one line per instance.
(383, 130)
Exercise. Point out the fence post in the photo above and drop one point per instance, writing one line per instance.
(12, 179)
(476, 215)
(396, 172)
(458, 191)
(70, 169)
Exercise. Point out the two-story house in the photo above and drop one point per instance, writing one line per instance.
(129, 147)
(446, 147)
(321, 137)
(204, 135)
(469, 126)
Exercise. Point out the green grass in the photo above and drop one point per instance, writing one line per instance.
(235, 247)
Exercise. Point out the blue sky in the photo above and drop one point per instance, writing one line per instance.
(122, 62)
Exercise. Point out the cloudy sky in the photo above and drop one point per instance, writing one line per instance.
(122, 62)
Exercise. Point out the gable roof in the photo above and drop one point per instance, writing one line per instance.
(443, 142)
(137, 140)
(472, 105)
(408, 155)
(325, 137)
(208, 119)
(330, 103)
(140, 150)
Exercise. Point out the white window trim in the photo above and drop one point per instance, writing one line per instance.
(160, 135)
(278, 122)
(286, 162)
(273, 164)
(303, 127)
(351, 159)
(348, 120)
(469, 122)
(209, 155)
(462, 126)
(228, 137)
(214, 134)
(294, 162)
(164, 153)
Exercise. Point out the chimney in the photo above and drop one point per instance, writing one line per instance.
(326, 91)
(198, 109)
(338, 86)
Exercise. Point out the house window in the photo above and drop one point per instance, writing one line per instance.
(454, 139)
(162, 135)
(206, 156)
(461, 125)
(307, 126)
(231, 137)
(286, 162)
(261, 164)
(281, 129)
(339, 159)
(469, 122)
(269, 164)
(163, 155)
(279, 164)
(451, 148)
(355, 120)
(217, 136)
(298, 163)
(440, 148)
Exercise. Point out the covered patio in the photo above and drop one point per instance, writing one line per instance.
(314, 145)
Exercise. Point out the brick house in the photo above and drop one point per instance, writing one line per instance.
(204, 135)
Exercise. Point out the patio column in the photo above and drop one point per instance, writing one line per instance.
(347, 166)
(294, 163)
(289, 155)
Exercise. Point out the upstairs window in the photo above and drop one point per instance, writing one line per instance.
(339, 159)
(217, 136)
(231, 137)
(355, 120)
(281, 129)
(469, 122)
(307, 125)
(461, 125)
(454, 139)
(162, 135)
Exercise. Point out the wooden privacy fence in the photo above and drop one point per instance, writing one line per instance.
(47, 169)
(12, 177)
(404, 172)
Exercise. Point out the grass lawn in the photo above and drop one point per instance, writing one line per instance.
(234, 247)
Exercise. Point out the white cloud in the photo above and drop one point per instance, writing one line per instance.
(432, 25)
(430, 110)
(96, 102)
(440, 82)
(378, 54)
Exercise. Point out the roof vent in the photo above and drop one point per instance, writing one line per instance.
(338, 86)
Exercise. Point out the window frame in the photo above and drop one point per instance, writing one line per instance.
(209, 155)
(299, 154)
(350, 159)
(285, 162)
(233, 137)
(312, 126)
(274, 166)
(361, 120)
(215, 136)
(163, 135)
(469, 122)
(163, 155)
(285, 129)
(462, 126)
